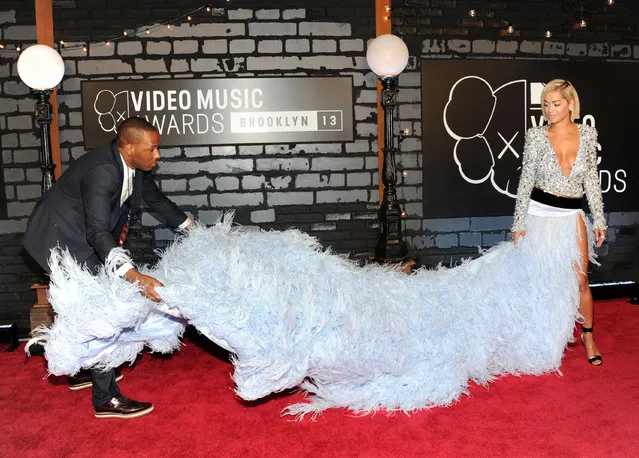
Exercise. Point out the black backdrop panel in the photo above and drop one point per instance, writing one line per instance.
(475, 114)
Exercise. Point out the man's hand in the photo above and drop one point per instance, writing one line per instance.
(147, 283)
(600, 236)
(516, 236)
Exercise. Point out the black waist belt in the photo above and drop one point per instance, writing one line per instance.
(546, 198)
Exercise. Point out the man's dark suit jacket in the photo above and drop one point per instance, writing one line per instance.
(81, 211)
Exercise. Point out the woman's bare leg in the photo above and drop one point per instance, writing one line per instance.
(585, 296)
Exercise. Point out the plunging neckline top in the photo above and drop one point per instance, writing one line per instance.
(541, 168)
(554, 153)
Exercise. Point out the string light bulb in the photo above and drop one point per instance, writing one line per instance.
(510, 30)
(583, 23)
(611, 2)
(404, 173)
(170, 24)
(548, 33)
(404, 214)
(472, 13)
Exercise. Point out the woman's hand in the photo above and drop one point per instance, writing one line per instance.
(600, 236)
(516, 236)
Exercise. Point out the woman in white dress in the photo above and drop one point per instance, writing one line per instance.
(559, 167)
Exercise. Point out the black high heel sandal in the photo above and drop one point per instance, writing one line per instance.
(591, 359)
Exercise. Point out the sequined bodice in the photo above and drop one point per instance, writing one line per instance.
(541, 168)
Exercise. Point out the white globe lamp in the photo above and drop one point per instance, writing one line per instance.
(41, 68)
(387, 55)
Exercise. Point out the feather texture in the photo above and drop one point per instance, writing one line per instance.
(294, 315)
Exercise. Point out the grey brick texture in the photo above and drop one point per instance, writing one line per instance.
(319, 188)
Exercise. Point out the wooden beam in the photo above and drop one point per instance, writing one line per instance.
(44, 32)
(382, 26)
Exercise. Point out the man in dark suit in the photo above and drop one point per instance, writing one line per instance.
(84, 212)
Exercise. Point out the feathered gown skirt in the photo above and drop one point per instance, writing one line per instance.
(294, 315)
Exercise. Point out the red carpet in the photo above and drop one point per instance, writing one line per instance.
(587, 412)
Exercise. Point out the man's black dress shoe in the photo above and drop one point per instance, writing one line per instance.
(82, 379)
(35, 349)
(122, 407)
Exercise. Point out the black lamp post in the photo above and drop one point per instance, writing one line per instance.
(390, 246)
(387, 56)
(41, 68)
(43, 116)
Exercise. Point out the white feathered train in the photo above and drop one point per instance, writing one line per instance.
(292, 314)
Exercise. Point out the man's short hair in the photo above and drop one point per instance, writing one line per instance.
(132, 130)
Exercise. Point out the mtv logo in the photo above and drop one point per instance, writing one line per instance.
(535, 95)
